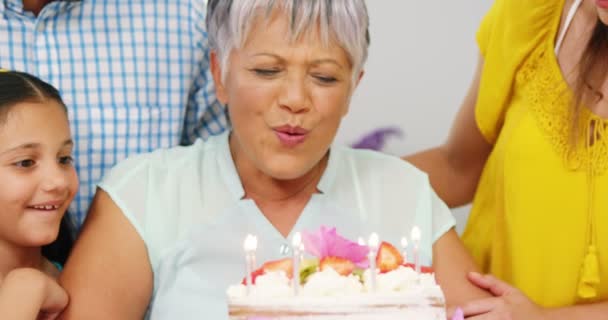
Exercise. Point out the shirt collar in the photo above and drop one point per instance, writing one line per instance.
(14, 5)
(329, 175)
(17, 5)
(228, 169)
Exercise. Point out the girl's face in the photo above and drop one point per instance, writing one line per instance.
(37, 178)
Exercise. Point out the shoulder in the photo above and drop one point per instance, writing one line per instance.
(380, 167)
(525, 8)
(149, 163)
(397, 193)
(378, 159)
(198, 12)
(508, 34)
(163, 192)
(523, 20)
(161, 162)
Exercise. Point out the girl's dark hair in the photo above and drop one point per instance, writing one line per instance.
(17, 87)
(592, 70)
(59, 249)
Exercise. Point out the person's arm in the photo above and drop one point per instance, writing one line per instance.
(511, 303)
(452, 263)
(108, 274)
(454, 167)
(26, 293)
(596, 311)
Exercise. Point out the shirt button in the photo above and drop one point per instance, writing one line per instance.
(284, 249)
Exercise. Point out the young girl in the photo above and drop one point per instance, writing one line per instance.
(37, 183)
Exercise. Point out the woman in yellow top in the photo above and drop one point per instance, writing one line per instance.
(530, 148)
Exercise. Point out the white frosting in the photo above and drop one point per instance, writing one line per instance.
(400, 279)
(272, 285)
(236, 291)
(329, 283)
(400, 294)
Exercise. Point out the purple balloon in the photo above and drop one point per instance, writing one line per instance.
(376, 139)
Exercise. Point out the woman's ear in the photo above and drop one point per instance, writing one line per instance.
(359, 78)
(356, 84)
(216, 72)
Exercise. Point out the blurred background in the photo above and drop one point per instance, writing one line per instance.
(421, 62)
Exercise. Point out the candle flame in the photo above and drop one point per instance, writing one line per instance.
(373, 240)
(251, 243)
(404, 242)
(360, 241)
(416, 234)
(296, 241)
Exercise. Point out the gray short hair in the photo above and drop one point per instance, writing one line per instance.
(346, 21)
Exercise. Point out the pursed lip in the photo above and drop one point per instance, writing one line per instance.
(291, 130)
(291, 136)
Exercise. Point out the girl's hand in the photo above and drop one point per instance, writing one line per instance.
(507, 303)
(55, 300)
(30, 294)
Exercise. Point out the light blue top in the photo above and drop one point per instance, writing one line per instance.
(186, 203)
(134, 75)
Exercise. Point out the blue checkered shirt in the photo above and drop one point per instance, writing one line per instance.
(133, 73)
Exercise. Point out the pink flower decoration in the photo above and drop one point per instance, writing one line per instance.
(326, 242)
(458, 315)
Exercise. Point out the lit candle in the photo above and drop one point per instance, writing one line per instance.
(250, 245)
(360, 241)
(373, 251)
(416, 240)
(302, 252)
(404, 246)
(296, 243)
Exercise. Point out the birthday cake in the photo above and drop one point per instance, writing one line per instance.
(342, 280)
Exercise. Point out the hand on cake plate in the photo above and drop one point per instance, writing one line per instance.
(508, 302)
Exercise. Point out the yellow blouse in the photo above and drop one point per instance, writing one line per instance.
(541, 210)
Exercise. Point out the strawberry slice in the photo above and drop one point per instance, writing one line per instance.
(285, 265)
(254, 275)
(423, 269)
(342, 266)
(388, 258)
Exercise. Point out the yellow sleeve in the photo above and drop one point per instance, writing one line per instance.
(508, 33)
(485, 29)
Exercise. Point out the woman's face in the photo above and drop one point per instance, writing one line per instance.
(602, 10)
(285, 98)
(37, 178)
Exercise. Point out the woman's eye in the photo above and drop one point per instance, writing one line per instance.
(66, 160)
(266, 72)
(25, 163)
(325, 79)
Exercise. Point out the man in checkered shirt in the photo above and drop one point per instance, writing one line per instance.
(133, 73)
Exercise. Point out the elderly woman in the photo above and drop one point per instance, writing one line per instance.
(168, 226)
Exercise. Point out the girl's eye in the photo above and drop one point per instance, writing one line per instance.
(25, 163)
(68, 160)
